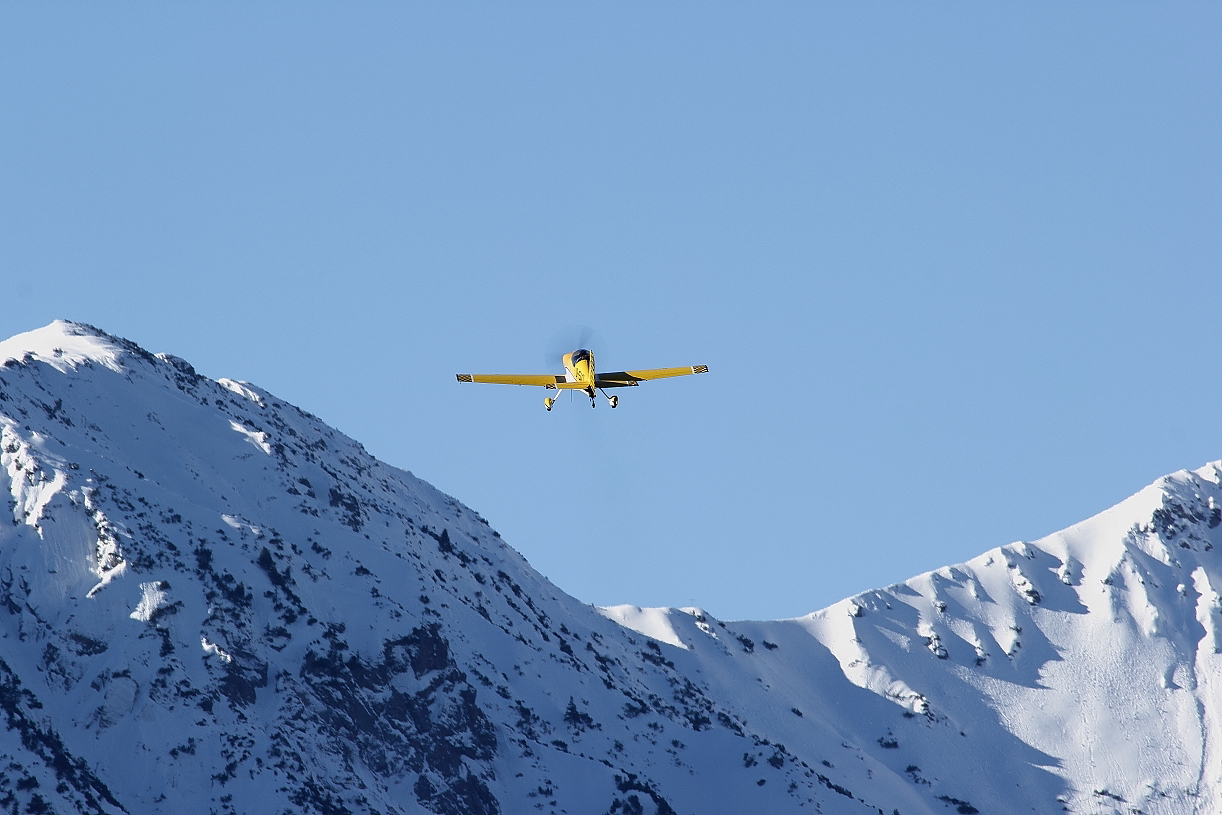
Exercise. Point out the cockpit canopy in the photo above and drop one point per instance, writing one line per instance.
(582, 355)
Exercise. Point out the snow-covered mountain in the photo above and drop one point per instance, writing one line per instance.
(212, 602)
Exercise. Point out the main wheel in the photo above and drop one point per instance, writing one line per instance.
(547, 403)
(614, 400)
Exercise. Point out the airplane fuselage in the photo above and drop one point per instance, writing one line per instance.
(579, 367)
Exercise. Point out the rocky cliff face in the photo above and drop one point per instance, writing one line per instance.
(211, 602)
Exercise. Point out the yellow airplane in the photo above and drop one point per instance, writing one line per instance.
(579, 375)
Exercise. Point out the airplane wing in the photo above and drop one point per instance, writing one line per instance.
(623, 379)
(549, 381)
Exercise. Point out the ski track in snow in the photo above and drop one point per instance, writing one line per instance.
(211, 602)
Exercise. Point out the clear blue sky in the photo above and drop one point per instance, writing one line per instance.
(955, 268)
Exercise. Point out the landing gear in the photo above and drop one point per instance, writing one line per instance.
(613, 401)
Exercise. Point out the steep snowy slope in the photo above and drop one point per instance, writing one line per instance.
(210, 602)
(1077, 673)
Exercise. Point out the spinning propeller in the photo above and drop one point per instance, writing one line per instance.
(570, 338)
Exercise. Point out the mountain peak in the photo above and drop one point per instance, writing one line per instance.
(65, 344)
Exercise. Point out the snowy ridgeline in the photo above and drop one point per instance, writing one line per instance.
(210, 602)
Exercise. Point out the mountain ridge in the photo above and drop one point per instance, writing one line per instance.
(211, 592)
